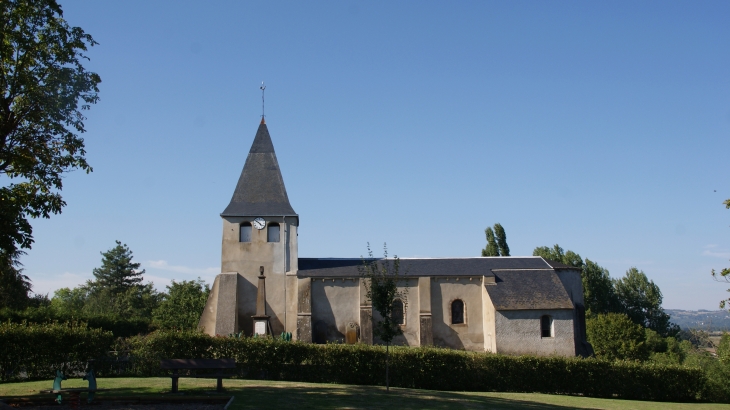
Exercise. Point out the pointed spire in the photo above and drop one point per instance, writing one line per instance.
(260, 190)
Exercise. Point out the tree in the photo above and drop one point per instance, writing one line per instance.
(381, 285)
(599, 294)
(492, 249)
(496, 242)
(117, 272)
(616, 337)
(501, 240)
(138, 301)
(181, 306)
(557, 254)
(43, 90)
(70, 302)
(14, 286)
(641, 301)
(725, 273)
(598, 291)
(723, 348)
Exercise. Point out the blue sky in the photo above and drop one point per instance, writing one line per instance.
(602, 127)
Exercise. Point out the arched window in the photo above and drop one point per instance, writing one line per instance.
(272, 232)
(245, 232)
(546, 326)
(398, 313)
(457, 312)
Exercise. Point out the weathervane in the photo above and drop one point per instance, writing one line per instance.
(263, 89)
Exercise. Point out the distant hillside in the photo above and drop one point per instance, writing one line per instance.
(708, 320)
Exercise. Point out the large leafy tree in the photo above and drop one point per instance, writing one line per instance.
(598, 290)
(381, 286)
(44, 89)
(181, 305)
(641, 301)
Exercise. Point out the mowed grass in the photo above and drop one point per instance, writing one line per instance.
(256, 394)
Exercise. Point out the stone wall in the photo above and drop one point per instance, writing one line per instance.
(470, 334)
(335, 303)
(518, 332)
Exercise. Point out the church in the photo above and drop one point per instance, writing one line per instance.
(509, 305)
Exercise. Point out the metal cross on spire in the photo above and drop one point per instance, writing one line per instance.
(263, 89)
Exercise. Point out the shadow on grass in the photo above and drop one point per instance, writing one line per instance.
(314, 396)
(366, 397)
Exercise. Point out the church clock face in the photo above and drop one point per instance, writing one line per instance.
(259, 223)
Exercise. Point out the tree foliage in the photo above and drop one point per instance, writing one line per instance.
(43, 90)
(14, 286)
(181, 306)
(491, 249)
(723, 349)
(641, 301)
(496, 242)
(598, 290)
(616, 337)
(557, 254)
(381, 287)
(117, 272)
(501, 237)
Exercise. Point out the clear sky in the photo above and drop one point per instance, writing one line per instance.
(601, 126)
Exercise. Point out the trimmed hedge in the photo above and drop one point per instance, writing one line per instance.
(121, 327)
(425, 368)
(36, 351)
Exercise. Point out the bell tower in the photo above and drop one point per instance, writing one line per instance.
(259, 230)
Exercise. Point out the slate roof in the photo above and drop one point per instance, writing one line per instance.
(521, 283)
(528, 289)
(336, 267)
(260, 190)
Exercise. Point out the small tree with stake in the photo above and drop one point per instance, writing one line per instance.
(381, 285)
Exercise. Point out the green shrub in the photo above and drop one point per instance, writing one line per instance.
(35, 351)
(615, 337)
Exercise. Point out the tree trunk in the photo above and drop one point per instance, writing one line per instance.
(387, 363)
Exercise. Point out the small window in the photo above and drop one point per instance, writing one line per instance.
(457, 312)
(245, 232)
(546, 326)
(272, 232)
(398, 313)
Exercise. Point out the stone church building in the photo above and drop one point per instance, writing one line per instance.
(511, 305)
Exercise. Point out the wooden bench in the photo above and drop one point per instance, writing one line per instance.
(199, 364)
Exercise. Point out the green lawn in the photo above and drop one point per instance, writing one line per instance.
(254, 394)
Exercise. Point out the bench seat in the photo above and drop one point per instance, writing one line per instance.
(198, 364)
